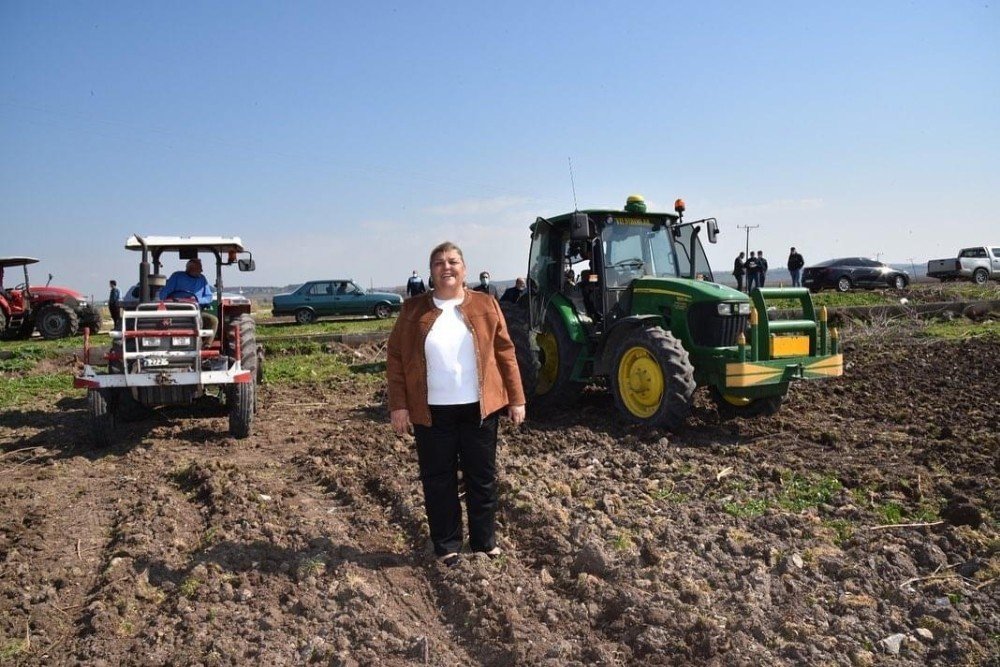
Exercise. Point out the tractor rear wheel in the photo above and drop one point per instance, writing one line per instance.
(103, 415)
(252, 358)
(730, 406)
(242, 402)
(557, 354)
(519, 328)
(57, 320)
(653, 379)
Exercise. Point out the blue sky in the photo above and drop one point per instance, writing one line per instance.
(347, 139)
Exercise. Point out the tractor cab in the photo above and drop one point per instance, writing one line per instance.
(597, 259)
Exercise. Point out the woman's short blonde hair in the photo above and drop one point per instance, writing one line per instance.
(445, 247)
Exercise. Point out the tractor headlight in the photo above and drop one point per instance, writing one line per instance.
(725, 309)
(743, 308)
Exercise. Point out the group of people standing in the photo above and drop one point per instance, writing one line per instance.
(415, 286)
(754, 268)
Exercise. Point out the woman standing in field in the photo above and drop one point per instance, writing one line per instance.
(451, 371)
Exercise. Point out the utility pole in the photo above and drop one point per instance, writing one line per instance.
(913, 267)
(748, 228)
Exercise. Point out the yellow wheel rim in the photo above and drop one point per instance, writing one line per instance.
(549, 371)
(640, 382)
(738, 401)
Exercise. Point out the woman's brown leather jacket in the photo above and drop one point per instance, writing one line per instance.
(496, 364)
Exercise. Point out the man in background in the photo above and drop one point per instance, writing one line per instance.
(485, 286)
(512, 294)
(115, 305)
(795, 264)
(415, 285)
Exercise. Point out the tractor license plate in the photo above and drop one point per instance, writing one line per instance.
(789, 346)
(151, 342)
(153, 362)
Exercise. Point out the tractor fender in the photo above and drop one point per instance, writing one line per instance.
(604, 359)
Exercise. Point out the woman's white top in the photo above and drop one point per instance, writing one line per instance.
(451, 358)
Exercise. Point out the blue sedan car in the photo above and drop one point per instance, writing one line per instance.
(318, 298)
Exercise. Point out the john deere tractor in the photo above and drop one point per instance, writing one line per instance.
(629, 297)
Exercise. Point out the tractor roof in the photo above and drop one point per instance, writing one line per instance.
(599, 214)
(219, 243)
(17, 261)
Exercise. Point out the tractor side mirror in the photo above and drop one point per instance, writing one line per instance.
(713, 230)
(246, 265)
(579, 227)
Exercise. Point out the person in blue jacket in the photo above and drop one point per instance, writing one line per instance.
(191, 284)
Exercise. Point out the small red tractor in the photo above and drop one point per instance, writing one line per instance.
(56, 312)
(174, 351)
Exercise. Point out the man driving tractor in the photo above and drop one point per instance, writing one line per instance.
(191, 284)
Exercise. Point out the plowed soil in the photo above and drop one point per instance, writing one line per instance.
(858, 526)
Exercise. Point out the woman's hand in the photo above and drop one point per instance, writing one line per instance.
(401, 421)
(516, 414)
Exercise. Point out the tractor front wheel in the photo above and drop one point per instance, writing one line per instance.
(103, 416)
(730, 406)
(57, 320)
(653, 379)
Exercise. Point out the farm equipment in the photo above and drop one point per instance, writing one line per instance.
(175, 351)
(646, 315)
(56, 312)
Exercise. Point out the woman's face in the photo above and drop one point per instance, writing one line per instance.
(448, 270)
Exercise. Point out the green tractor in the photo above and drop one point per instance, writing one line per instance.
(629, 296)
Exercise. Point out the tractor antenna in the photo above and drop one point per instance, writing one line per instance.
(572, 183)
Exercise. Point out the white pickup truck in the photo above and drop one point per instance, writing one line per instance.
(977, 264)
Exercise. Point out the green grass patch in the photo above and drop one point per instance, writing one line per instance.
(310, 367)
(746, 509)
(843, 529)
(25, 389)
(801, 492)
(13, 648)
(189, 587)
(353, 326)
(961, 328)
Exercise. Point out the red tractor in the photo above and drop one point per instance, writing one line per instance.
(57, 312)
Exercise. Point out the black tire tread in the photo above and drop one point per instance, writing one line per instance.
(678, 377)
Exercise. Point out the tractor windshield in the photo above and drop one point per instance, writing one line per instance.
(632, 250)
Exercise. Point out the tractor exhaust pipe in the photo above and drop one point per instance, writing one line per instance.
(143, 271)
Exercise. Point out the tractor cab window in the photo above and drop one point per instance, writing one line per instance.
(691, 259)
(635, 250)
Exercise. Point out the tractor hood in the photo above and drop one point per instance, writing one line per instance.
(696, 291)
(57, 294)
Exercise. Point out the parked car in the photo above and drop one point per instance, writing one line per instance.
(318, 298)
(977, 264)
(847, 273)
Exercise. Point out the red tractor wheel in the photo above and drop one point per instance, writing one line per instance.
(57, 320)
